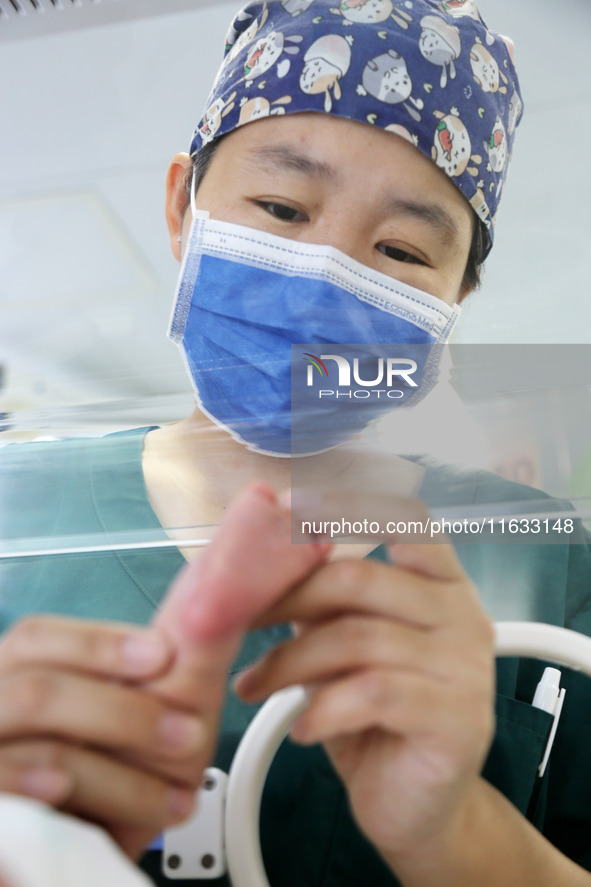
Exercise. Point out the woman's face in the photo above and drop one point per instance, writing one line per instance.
(322, 179)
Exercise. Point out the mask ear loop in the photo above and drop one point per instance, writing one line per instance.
(193, 191)
(194, 211)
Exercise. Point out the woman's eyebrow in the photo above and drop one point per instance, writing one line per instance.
(284, 157)
(435, 215)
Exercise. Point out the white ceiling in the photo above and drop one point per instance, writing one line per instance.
(21, 19)
(92, 111)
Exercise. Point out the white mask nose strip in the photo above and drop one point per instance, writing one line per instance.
(235, 242)
(318, 261)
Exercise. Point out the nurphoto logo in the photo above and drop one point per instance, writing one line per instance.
(389, 372)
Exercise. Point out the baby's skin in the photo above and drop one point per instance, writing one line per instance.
(248, 567)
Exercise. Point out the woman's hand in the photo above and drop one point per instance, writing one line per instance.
(91, 722)
(399, 663)
(79, 732)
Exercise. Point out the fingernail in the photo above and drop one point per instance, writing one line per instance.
(144, 649)
(47, 785)
(246, 682)
(181, 802)
(181, 731)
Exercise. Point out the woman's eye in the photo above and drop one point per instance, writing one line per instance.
(282, 212)
(400, 255)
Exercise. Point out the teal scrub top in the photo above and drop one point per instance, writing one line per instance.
(96, 486)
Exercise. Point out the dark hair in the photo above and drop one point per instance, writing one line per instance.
(472, 272)
(201, 163)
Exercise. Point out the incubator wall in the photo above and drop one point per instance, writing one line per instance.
(87, 282)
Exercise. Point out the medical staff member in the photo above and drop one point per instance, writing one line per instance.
(382, 134)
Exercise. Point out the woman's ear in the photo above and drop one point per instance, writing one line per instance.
(176, 199)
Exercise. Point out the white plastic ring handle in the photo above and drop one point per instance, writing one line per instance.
(271, 725)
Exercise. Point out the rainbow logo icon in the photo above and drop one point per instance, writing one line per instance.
(315, 362)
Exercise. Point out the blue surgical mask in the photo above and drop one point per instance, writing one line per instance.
(246, 298)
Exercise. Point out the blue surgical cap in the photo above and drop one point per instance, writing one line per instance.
(430, 72)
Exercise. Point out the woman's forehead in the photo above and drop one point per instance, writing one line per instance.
(338, 152)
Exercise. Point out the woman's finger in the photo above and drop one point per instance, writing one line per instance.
(26, 769)
(95, 786)
(438, 560)
(373, 587)
(330, 649)
(400, 703)
(122, 719)
(98, 648)
(108, 790)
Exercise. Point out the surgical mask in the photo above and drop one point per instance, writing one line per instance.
(244, 298)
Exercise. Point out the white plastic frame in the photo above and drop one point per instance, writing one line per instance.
(271, 725)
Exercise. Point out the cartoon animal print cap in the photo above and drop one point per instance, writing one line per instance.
(431, 72)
